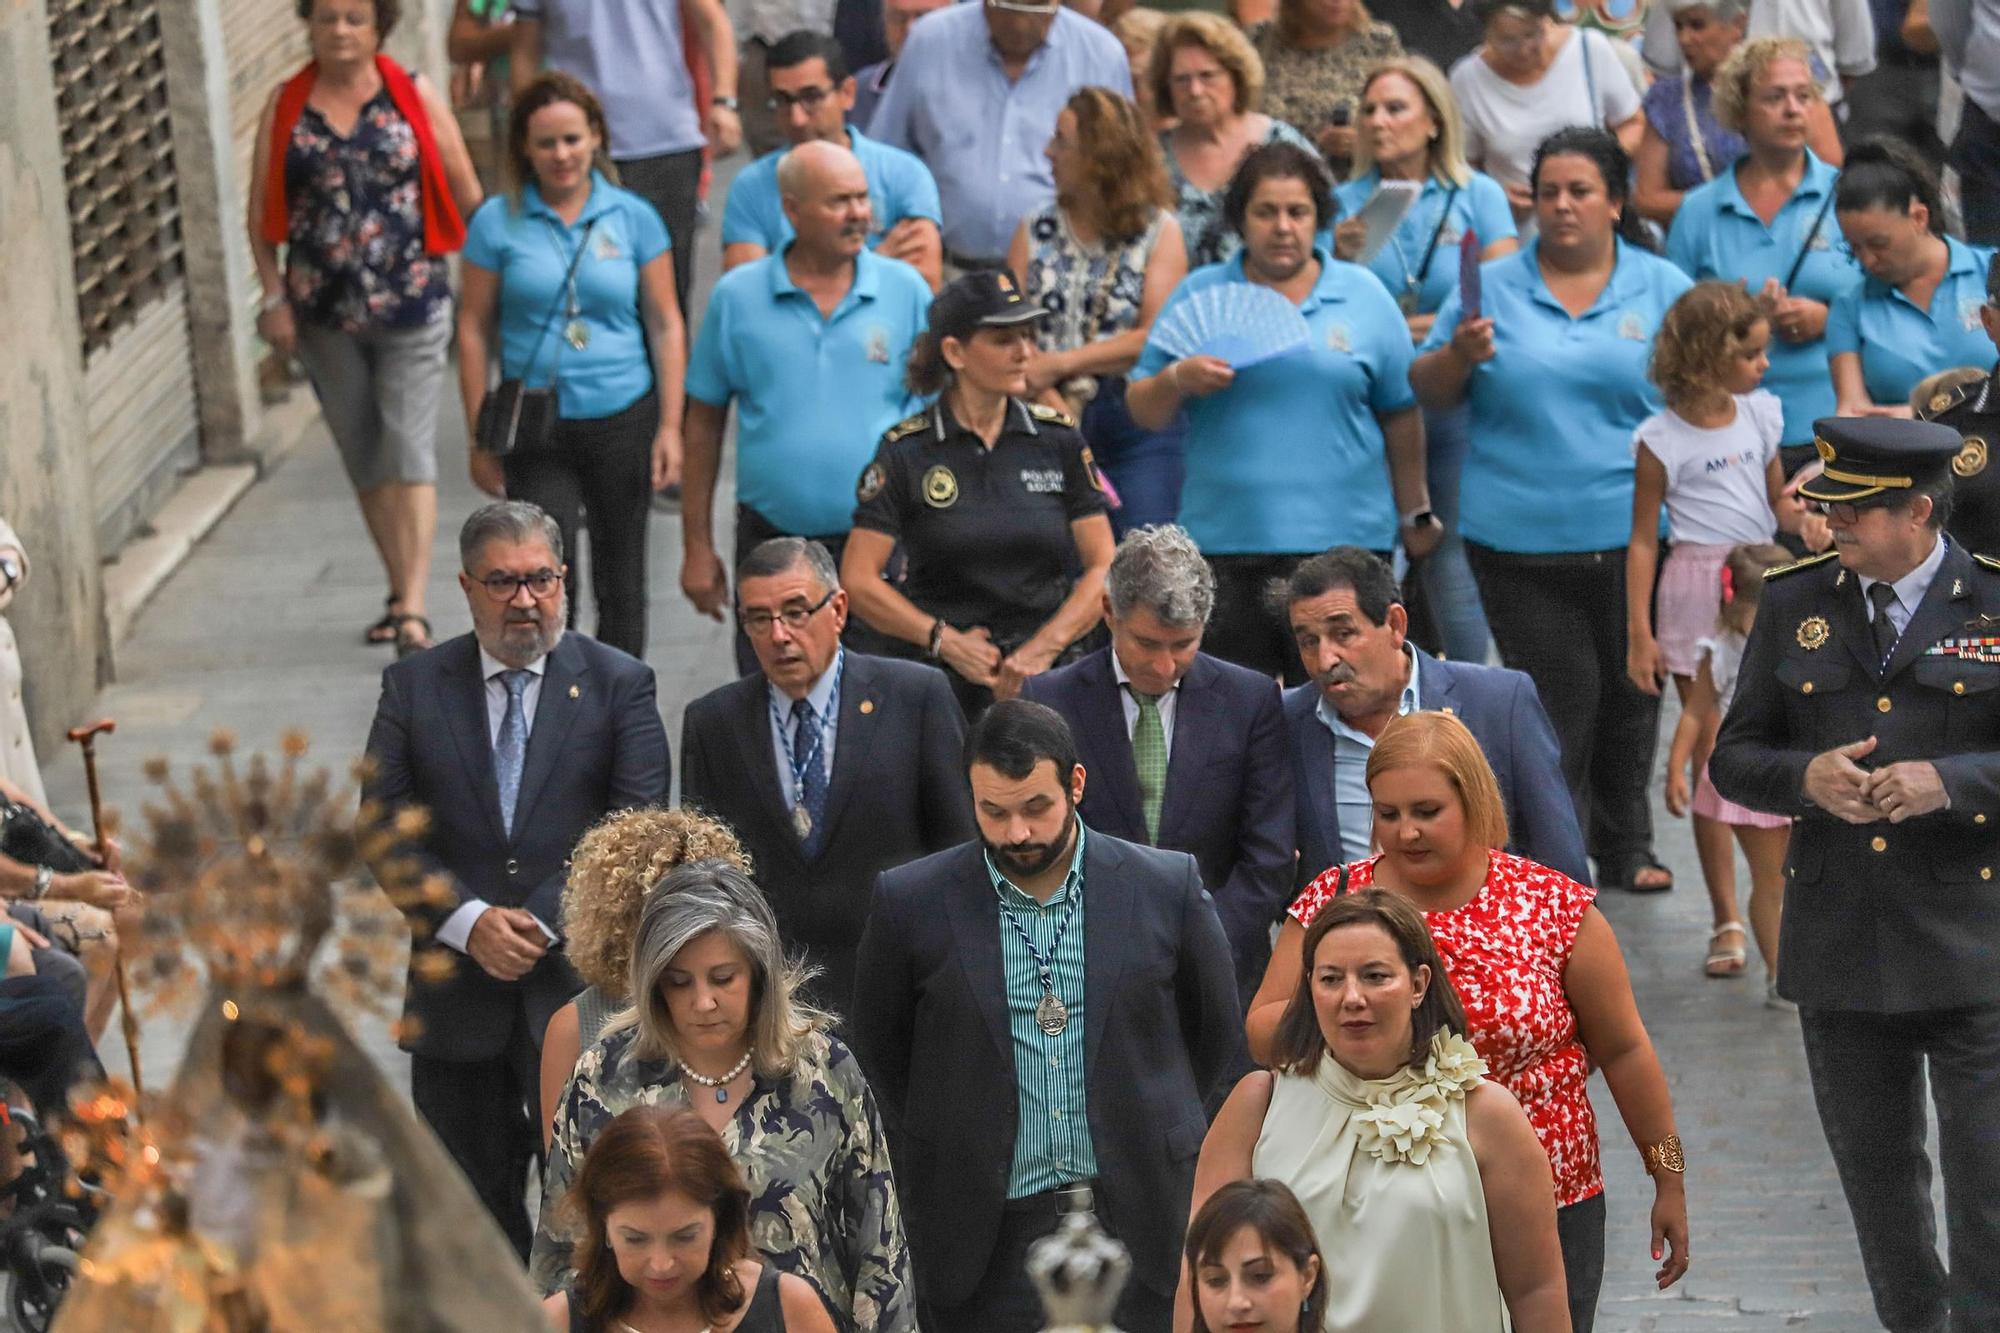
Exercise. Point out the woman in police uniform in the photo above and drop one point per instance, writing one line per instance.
(995, 502)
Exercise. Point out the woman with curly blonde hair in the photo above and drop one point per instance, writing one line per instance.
(1100, 258)
(610, 872)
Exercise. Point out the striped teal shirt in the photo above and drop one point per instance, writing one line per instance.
(1052, 1146)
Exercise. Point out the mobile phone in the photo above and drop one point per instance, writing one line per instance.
(1341, 115)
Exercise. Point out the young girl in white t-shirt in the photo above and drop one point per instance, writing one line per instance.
(1712, 459)
(1764, 838)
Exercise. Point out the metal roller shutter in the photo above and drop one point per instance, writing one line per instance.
(263, 44)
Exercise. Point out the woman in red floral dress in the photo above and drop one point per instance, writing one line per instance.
(1544, 985)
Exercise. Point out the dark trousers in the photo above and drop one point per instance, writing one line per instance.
(1975, 155)
(1899, 97)
(44, 1048)
(1145, 467)
(1580, 1232)
(1005, 1300)
(485, 1113)
(671, 183)
(599, 470)
(1868, 1074)
(1561, 619)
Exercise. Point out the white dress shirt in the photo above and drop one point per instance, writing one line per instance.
(784, 730)
(1910, 588)
(457, 928)
(1131, 705)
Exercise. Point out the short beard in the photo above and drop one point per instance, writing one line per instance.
(554, 619)
(1013, 868)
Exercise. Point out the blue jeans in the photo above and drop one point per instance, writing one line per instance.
(1449, 596)
(1145, 467)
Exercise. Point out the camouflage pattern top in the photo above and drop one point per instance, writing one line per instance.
(810, 1144)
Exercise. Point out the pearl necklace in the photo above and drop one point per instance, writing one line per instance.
(721, 1085)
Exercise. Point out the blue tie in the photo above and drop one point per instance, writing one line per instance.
(812, 783)
(510, 752)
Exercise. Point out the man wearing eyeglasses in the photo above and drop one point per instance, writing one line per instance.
(514, 739)
(976, 95)
(811, 94)
(831, 765)
(1868, 708)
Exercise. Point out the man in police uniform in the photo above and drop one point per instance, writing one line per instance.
(1973, 410)
(1868, 706)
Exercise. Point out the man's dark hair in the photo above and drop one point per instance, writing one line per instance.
(778, 555)
(1278, 161)
(1014, 735)
(795, 48)
(1368, 575)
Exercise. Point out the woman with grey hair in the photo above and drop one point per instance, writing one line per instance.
(718, 1025)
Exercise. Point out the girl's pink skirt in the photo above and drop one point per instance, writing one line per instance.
(1709, 804)
(1690, 596)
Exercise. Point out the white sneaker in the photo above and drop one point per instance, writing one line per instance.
(1773, 1000)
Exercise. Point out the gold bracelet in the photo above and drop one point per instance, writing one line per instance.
(1665, 1155)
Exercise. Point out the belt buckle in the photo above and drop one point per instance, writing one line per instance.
(1076, 1197)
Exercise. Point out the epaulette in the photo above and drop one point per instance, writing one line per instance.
(907, 426)
(1991, 562)
(1778, 571)
(1043, 412)
(1946, 399)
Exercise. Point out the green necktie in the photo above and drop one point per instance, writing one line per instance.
(1149, 755)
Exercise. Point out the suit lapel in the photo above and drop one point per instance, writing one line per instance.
(753, 740)
(465, 706)
(1936, 615)
(1437, 690)
(563, 687)
(1194, 741)
(1103, 725)
(1317, 743)
(1107, 925)
(861, 707)
(975, 928)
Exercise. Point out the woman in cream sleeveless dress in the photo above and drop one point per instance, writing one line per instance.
(1431, 1198)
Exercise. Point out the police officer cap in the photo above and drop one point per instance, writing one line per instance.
(980, 300)
(1878, 458)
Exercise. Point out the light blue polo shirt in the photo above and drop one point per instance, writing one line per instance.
(899, 186)
(1290, 456)
(1479, 204)
(630, 53)
(1718, 235)
(1900, 344)
(1549, 468)
(813, 395)
(530, 248)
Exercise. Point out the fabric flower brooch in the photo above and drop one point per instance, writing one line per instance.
(1405, 1118)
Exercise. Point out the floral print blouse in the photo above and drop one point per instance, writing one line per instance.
(1090, 291)
(355, 259)
(1506, 952)
(1204, 229)
(822, 1200)
(1303, 88)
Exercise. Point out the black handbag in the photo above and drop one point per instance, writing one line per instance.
(28, 838)
(512, 416)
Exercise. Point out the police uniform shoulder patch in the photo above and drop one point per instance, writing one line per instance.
(907, 426)
(873, 477)
(1043, 412)
(1779, 571)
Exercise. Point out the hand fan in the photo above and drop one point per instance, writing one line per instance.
(1468, 274)
(1238, 322)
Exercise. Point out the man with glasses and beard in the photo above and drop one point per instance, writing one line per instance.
(1042, 1014)
(513, 739)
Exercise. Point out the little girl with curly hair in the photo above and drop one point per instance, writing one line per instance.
(610, 872)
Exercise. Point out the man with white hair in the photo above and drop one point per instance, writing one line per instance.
(1184, 751)
(809, 343)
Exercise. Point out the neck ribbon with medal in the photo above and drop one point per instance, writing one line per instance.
(801, 764)
(1051, 1014)
(1413, 282)
(575, 332)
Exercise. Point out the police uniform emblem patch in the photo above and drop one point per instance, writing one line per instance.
(1090, 469)
(873, 477)
(1814, 632)
(1971, 458)
(1939, 402)
(940, 488)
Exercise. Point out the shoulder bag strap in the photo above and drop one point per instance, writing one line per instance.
(1806, 242)
(1430, 251)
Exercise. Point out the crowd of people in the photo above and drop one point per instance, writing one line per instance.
(1148, 429)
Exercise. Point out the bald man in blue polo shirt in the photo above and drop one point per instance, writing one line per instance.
(810, 344)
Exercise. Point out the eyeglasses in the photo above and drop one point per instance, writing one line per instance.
(806, 99)
(1014, 7)
(1201, 77)
(1840, 511)
(759, 623)
(502, 587)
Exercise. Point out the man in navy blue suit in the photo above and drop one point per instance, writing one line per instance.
(516, 738)
(1184, 751)
(1348, 620)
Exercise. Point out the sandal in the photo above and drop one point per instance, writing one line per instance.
(384, 630)
(410, 642)
(1626, 876)
(1726, 961)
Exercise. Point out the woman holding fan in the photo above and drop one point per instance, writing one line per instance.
(1291, 453)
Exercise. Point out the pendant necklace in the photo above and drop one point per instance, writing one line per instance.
(721, 1085)
(801, 764)
(1051, 1014)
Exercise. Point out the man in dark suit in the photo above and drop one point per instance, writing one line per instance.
(1184, 750)
(1042, 1014)
(830, 765)
(1865, 709)
(515, 738)
(1348, 619)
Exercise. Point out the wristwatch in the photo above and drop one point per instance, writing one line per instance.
(726, 103)
(44, 877)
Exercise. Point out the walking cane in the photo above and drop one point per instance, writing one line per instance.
(86, 736)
